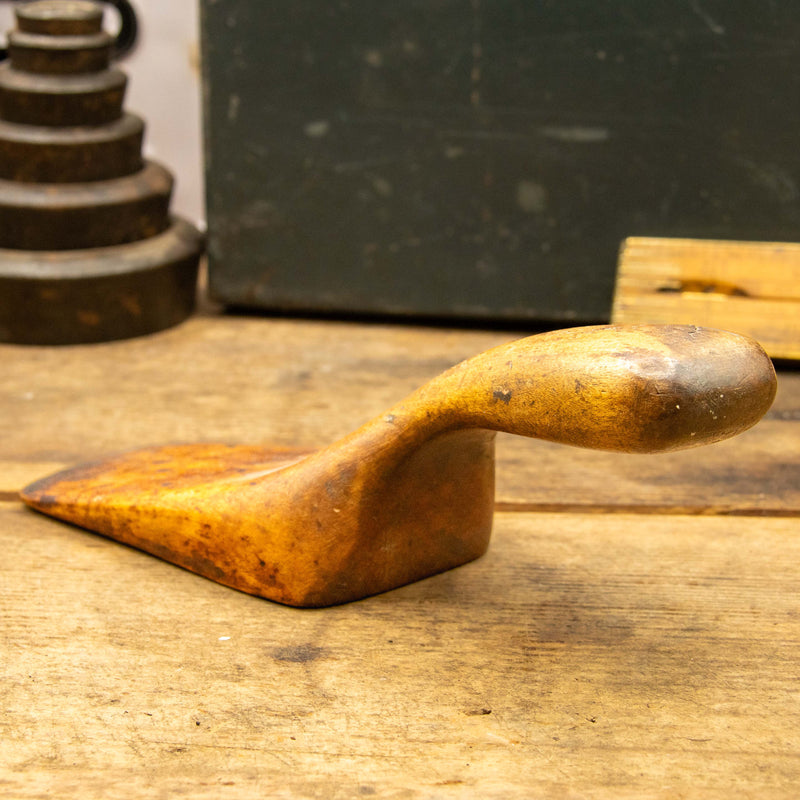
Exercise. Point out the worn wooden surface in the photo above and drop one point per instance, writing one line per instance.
(649, 651)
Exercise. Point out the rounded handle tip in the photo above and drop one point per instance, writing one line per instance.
(639, 388)
(705, 386)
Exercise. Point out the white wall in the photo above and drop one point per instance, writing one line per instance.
(164, 89)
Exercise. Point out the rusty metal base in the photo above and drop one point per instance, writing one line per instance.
(99, 294)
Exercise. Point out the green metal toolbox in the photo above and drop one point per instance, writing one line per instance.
(483, 159)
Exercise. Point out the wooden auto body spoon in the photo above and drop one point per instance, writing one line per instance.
(411, 493)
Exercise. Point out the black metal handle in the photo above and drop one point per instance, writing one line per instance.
(129, 27)
(128, 30)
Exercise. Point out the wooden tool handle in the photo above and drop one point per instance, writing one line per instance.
(627, 388)
(411, 493)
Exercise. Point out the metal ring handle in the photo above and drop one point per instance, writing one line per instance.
(128, 31)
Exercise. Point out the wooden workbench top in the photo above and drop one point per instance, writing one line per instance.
(634, 630)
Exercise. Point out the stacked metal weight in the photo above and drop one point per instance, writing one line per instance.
(88, 249)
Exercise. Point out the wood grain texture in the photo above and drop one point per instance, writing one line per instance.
(749, 287)
(586, 655)
(411, 493)
(306, 384)
(581, 657)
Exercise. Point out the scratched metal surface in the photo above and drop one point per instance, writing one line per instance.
(485, 158)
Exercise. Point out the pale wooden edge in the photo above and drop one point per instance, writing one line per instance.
(768, 272)
(762, 269)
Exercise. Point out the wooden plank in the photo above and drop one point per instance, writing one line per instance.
(584, 656)
(756, 474)
(286, 382)
(758, 269)
(305, 384)
(748, 287)
(587, 655)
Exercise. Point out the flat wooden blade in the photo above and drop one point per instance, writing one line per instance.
(116, 495)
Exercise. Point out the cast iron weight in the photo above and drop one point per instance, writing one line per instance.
(411, 493)
(88, 248)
